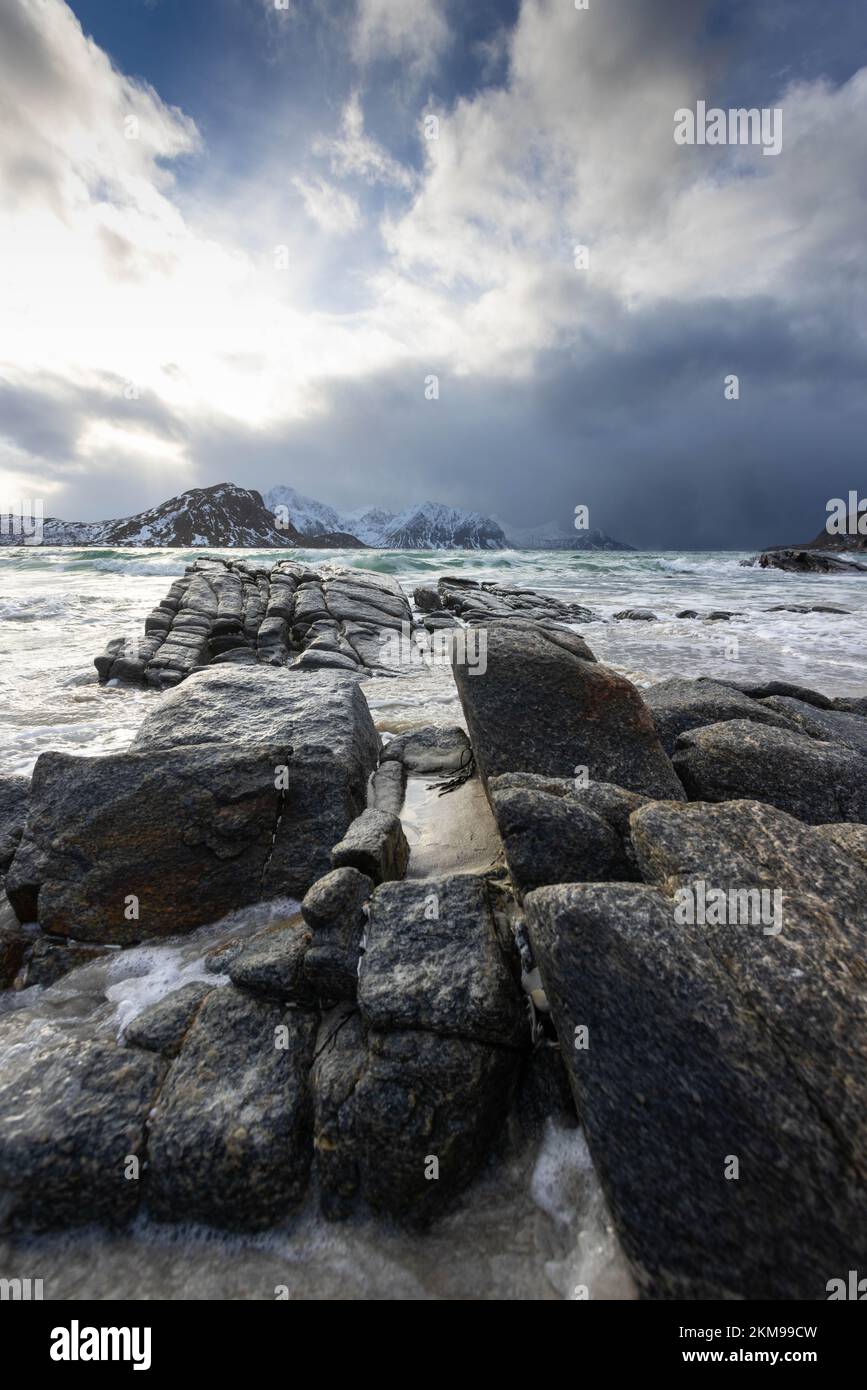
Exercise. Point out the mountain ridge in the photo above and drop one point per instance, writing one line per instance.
(226, 515)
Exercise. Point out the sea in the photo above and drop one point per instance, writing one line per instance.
(535, 1226)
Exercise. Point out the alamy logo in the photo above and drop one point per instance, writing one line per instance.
(702, 905)
(76, 1343)
(738, 126)
(851, 1288)
(24, 521)
(449, 646)
(20, 1290)
(846, 519)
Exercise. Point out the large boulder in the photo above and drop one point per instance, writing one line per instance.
(834, 726)
(237, 787)
(679, 705)
(72, 1116)
(551, 837)
(14, 794)
(231, 1133)
(137, 845)
(544, 705)
(727, 1175)
(815, 781)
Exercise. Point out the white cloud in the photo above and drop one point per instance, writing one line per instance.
(333, 210)
(354, 154)
(415, 31)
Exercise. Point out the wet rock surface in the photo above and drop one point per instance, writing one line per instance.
(480, 603)
(374, 1041)
(740, 759)
(375, 845)
(154, 842)
(14, 796)
(234, 612)
(163, 1026)
(680, 705)
(545, 705)
(70, 1119)
(435, 750)
(679, 1077)
(230, 1138)
(559, 831)
(437, 937)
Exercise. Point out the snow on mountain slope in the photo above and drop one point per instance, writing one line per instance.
(208, 516)
(309, 517)
(223, 515)
(432, 526)
(369, 524)
(425, 526)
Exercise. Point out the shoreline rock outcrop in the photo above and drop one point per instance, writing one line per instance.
(673, 915)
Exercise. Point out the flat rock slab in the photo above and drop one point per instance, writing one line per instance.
(231, 1135)
(544, 705)
(680, 705)
(450, 834)
(677, 1075)
(437, 749)
(435, 962)
(71, 1115)
(817, 782)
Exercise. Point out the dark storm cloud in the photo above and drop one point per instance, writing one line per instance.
(455, 258)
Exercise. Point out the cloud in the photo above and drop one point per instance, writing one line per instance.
(414, 31)
(145, 263)
(353, 154)
(333, 210)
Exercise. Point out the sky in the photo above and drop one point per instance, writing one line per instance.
(240, 238)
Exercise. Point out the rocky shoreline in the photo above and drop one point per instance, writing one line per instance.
(672, 921)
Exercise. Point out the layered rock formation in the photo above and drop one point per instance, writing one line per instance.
(227, 612)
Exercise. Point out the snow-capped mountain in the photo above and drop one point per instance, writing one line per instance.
(431, 526)
(309, 517)
(552, 536)
(369, 524)
(220, 515)
(223, 515)
(425, 526)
